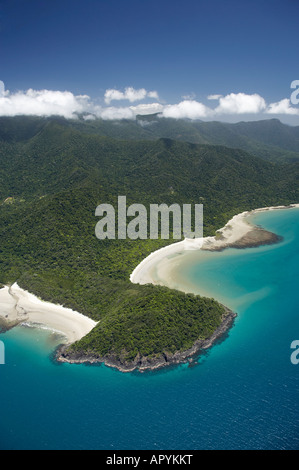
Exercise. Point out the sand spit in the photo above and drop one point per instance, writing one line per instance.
(18, 306)
(237, 233)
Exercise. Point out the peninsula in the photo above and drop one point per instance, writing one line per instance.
(237, 233)
(56, 172)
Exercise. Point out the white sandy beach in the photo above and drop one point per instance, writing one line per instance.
(18, 305)
(234, 230)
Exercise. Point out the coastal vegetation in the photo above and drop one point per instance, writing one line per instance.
(53, 175)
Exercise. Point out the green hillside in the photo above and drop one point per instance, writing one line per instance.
(53, 176)
(268, 139)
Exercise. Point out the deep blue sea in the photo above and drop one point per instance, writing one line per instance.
(242, 394)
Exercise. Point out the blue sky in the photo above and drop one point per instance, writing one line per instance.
(181, 50)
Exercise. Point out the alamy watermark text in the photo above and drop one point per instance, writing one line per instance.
(143, 225)
(295, 353)
(295, 94)
(2, 353)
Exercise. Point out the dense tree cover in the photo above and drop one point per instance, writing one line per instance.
(53, 176)
(150, 320)
(268, 139)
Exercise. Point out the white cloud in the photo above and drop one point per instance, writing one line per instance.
(42, 103)
(2, 89)
(153, 94)
(189, 109)
(65, 103)
(282, 107)
(214, 97)
(129, 94)
(111, 95)
(241, 103)
(150, 108)
(89, 117)
(112, 113)
(191, 96)
(129, 112)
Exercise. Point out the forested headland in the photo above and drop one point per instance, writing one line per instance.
(53, 175)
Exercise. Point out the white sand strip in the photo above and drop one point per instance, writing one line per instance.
(16, 304)
(142, 273)
(7, 305)
(234, 230)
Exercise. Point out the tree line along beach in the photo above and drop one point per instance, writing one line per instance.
(18, 306)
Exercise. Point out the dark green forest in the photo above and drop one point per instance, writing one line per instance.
(268, 139)
(53, 175)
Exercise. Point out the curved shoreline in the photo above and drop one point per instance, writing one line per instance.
(143, 364)
(237, 233)
(18, 306)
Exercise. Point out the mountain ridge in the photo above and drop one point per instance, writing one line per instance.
(269, 139)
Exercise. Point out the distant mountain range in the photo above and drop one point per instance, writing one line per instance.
(268, 139)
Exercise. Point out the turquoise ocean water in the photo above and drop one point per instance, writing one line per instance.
(242, 394)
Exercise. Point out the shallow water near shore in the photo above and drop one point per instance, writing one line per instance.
(242, 394)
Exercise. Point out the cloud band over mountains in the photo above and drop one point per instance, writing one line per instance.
(68, 105)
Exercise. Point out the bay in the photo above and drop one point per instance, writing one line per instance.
(242, 394)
